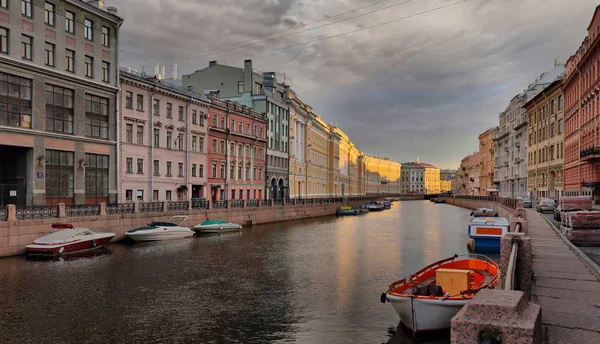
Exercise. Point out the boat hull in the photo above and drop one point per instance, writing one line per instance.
(425, 314)
(218, 228)
(346, 212)
(38, 248)
(159, 235)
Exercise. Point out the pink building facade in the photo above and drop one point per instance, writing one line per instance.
(162, 141)
(236, 152)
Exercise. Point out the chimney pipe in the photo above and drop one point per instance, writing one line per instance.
(248, 76)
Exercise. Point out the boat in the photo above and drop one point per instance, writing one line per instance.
(483, 212)
(217, 226)
(486, 233)
(387, 205)
(346, 210)
(157, 231)
(428, 299)
(375, 206)
(68, 240)
(439, 200)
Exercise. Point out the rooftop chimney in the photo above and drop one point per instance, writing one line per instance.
(248, 76)
(212, 63)
(112, 10)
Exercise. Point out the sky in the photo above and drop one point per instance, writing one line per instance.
(402, 78)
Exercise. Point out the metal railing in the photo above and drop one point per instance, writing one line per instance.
(200, 204)
(265, 203)
(219, 204)
(82, 210)
(120, 208)
(252, 203)
(36, 212)
(151, 207)
(236, 203)
(177, 206)
(3, 213)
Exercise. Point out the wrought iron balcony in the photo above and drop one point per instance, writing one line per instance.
(592, 153)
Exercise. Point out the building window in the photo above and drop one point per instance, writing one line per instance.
(260, 174)
(201, 119)
(180, 165)
(193, 170)
(96, 116)
(140, 166)
(156, 137)
(201, 144)
(181, 113)
(26, 42)
(560, 126)
(214, 170)
(254, 131)
(260, 132)
(129, 132)
(60, 174)
(232, 125)
(240, 150)
(129, 165)
(156, 168)
(15, 101)
(214, 146)
(240, 125)
(105, 36)
(201, 171)
(49, 14)
(88, 32)
(169, 139)
(239, 175)
(169, 169)
(215, 120)
(194, 143)
(140, 195)
(194, 117)
(129, 100)
(169, 110)
(140, 102)
(89, 67)
(560, 103)
(70, 22)
(240, 87)
(223, 122)
(4, 3)
(3, 40)
(248, 129)
(156, 107)
(231, 174)
(140, 135)
(129, 195)
(26, 8)
(222, 147)
(247, 172)
(254, 173)
(59, 109)
(222, 171)
(168, 195)
(258, 88)
(105, 71)
(180, 141)
(70, 61)
(96, 175)
(155, 195)
(49, 57)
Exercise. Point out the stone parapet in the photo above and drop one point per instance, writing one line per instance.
(498, 316)
(524, 262)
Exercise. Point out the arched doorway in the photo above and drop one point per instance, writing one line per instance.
(281, 193)
(551, 184)
(273, 189)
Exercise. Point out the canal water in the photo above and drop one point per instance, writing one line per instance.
(308, 281)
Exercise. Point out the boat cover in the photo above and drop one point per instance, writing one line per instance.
(213, 222)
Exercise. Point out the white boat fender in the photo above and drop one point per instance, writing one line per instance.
(383, 298)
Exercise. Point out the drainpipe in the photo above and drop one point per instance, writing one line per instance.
(227, 162)
(152, 141)
(187, 148)
(579, 129)
(118, 117)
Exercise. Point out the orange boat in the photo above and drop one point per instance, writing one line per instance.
(428, 299)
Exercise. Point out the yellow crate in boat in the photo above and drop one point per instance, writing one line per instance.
(453, 281)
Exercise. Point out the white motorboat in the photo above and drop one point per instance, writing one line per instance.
(157, 231)
(217, 226)
(68, 240)
(375, 206)
(428, 299)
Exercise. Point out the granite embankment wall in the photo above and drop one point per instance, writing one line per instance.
(505, 207)
(16, 234)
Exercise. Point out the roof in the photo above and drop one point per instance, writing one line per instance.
(549, 88)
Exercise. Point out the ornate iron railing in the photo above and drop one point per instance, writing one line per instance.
(82, 210)
(265, 203)
(200, 204)
(177, 206)
(252, 203)
(219, 204)
(151, 207)
(278, 202)
(36, 212)
(3, 213)
(236, 203)
(120, 208)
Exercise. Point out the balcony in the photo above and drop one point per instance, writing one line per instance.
(518, 160)
(590, 154)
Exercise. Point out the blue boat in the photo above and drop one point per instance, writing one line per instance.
(486, 232)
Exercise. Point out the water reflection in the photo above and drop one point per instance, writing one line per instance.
(401, 335)
(309, 281)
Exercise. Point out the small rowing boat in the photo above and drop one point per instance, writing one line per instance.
(428, 299)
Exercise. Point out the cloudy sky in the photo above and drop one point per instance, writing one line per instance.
(403, 78)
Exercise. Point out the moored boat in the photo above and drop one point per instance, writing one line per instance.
(387, 204)
(68, 240)
(375, 206)
(486, 233)
(346, 210)
(483, 212)
(428, 299)
(217, 226)
(157, 231)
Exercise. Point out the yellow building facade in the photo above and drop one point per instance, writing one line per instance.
(382, 175)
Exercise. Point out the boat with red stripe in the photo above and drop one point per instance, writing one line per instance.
(68, 240)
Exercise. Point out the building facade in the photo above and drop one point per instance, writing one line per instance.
(262, 93)
(58, 103)
(382, 175)
(486, 154)
(448, 181)
(237, 153)
(420, 178)
(581, 114)
(545, 142)
(468, 175)
(163, 141)
(510, 140)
